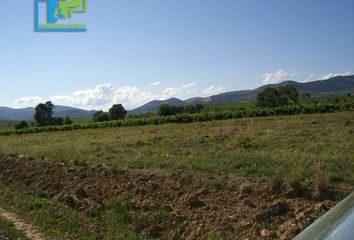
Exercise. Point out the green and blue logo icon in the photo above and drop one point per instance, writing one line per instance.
(56, 15)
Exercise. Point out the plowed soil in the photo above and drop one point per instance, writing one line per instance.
(238, 208)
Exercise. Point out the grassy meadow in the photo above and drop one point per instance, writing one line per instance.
(291, 146)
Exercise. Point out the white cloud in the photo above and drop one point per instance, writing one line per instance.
(211, 90)
(154, 84)
(276, 77)
(105, 95)
(331, 75)
(314, 77)
(181, 92)
(28, 101)
(102, 96)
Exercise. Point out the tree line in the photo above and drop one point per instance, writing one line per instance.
(198, 117)
(43, 116)
(168, 110)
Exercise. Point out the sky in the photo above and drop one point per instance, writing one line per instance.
(136, 50)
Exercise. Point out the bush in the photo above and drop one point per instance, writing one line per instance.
(68, 121)
(21, 125)
(101, 116)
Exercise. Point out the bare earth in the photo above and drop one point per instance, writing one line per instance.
(240, 207)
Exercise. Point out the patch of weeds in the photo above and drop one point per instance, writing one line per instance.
(298, 188)
(217, 236)
(321, 179)
(245, 143)
(40, 203)
(202, 140)
(278, 183)
(215, 184)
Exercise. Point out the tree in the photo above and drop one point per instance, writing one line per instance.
(261, 99)
(21, 125)
(101, 116)
(306, 95)
(68, 121)
(117, 111)
(290, 92)
(274, 97)
(168, 110)
(58, 121)
(44, 114)
(196, 108)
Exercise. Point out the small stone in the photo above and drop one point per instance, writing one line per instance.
(248, 202)
(193, 201)
(325, 206)
(279, 207)
(246, 188)
(262, 216)
(265, 233)
(81, 193)
(67, 199)
(288, 230)
(244, 224)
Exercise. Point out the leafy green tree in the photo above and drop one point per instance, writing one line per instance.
(101, 116)
(275, 97)
(68, 121)
(117, 111)
(290, 92)
(195, 108)
(58, 121)
(21, 125)
(44, 114)
(168, 110)
(261, 99)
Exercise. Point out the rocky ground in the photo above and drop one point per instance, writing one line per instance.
(239, 208)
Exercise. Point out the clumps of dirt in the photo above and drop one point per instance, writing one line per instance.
(348, 123)
(168, 205)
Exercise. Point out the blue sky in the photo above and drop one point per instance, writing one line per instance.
(138, 50)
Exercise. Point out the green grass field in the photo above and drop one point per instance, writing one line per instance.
(247, 146)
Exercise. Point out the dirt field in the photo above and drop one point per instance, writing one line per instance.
(241, 208)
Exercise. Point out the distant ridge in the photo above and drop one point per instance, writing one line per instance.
(7, 113)
(340, 85)
(154, 105)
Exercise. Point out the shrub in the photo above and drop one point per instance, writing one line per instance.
(21, 125)
(68, 121)
(101, 116)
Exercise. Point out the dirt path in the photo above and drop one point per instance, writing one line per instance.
(20, 225)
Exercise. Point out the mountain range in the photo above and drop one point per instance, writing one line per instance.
(335, 86)
(339, 85)
(27, 113)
